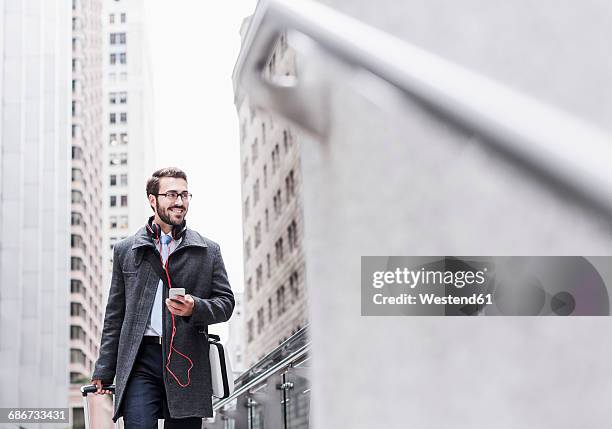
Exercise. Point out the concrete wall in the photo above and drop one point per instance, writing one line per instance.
(409, 183)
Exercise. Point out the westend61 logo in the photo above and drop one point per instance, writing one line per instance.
(485, 285)
(414, 278)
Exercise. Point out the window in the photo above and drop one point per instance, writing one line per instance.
(269, 309)
(260, 320)
(76, 218)
(275, 159)
(250, 331)
(113, 118)
(242, 131)
(122, 38)
(113, 222)
(263, 133)
(123, 117)
(292, 235)
(76, 286)
(123, 222)
(76, 333)
(122, 58)
(267, 221)
(77, 355)
(257, 234)
(254, 151)
(258, 277)
(113, 38)
(111, 18)
(123, 97)
(123, 158)
(286, 140)
(293, 286)
(77, 175)
(277, 201)
(290, 185)
(123, 138)
(249, 289)
(124, 200)
(123, 179)
(113, 179)
(280, 299)
(77, 264)
(247, 248)
(265, 175)
(123, 18)
(112, 97)
(256, 192)
(113, 201)
(76, 242)
(246, 208)
(112, 139)
(268, 265)
(113, 58)
(278, 247)
(77, 197)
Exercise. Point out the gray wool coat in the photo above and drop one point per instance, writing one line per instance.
(196, 265)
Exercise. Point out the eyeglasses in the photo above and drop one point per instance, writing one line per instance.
(173, 195)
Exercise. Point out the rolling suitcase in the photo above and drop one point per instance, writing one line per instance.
(90, 388)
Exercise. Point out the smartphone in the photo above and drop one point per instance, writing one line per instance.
(176, 291)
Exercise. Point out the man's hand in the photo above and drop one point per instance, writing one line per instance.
(98, 384)
(180, 305)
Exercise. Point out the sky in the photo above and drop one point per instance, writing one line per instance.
(194, 45)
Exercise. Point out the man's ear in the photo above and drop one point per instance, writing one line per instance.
(153, 202)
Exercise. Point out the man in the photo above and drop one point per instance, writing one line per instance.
(157, 348)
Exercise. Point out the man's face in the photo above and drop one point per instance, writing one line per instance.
(169, 211)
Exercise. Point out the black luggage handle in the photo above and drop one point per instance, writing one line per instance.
(91, 388)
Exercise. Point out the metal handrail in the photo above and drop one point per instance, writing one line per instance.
(557, 145)
(264, 375)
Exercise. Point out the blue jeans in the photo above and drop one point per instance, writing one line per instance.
(144, 399)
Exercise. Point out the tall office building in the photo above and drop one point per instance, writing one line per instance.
(128, 138)
(34, 202)
(274, 298)
(86, 289)
(235, 343)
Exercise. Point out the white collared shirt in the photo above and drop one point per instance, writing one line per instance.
(154, 326)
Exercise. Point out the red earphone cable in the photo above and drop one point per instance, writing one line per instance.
(174, 325)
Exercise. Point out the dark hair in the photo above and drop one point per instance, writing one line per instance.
(153, 182)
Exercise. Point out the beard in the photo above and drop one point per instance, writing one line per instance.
(169, 218)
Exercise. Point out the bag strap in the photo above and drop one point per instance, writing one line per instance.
(156, 265)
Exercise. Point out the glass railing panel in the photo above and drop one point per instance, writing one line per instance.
(296, 391)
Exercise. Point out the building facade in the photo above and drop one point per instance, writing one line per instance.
(274, 295)
(128, 138)
(34, 202)
(86, 289)
(235, 343)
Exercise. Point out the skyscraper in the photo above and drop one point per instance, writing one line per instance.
(86, 289)
(34, 202)
(274, 295)
(128, 110)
